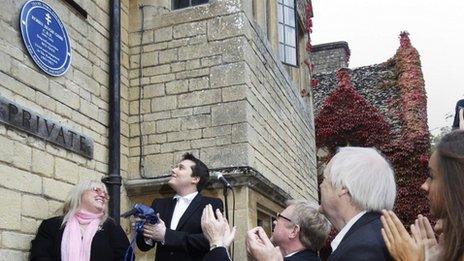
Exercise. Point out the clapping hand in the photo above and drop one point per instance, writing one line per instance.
(260, 247)
(216, 230)
(432, 246)
(400, 244)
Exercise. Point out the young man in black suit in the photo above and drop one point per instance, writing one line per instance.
(178, 236)
(358, 184)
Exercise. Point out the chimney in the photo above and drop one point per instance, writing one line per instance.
(330, 57)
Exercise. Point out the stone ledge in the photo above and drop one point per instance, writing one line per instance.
(237, 176)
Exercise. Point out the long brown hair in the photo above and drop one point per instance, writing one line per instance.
(451, 165)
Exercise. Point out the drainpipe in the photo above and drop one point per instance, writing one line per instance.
(113, 180)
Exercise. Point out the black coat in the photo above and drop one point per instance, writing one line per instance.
(363, 241)
(187, 242)
(217, 254)
(220, 254)
(305, 255)
(109, 243)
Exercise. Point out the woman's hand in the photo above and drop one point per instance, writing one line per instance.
(400, 244)
(432, 247)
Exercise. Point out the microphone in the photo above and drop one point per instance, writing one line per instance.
(218, 175)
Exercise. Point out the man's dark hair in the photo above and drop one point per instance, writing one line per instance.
(198, 170)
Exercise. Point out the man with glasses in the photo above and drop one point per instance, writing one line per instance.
(299, 232)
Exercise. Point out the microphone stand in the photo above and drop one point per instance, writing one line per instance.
(225, 190)
(226, 204)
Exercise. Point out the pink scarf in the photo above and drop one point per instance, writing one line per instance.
(74, 246)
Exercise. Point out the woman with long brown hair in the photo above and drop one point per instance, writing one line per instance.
(445, 188)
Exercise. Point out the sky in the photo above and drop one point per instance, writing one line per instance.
(372, 27)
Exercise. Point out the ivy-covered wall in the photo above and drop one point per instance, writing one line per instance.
(382, 105)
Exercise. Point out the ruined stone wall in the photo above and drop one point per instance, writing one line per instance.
(35, 175)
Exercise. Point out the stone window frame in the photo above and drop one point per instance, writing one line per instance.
(285, 44)
(261, 15)
(181, 4)
(265, 213)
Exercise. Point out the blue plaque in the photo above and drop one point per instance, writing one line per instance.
(45, 37)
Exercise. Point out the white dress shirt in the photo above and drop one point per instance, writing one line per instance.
(334, 244)
(181, 205)
(291, 254)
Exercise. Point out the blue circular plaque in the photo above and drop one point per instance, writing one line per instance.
(45, 37)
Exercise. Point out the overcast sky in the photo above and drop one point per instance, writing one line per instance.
(372, 27)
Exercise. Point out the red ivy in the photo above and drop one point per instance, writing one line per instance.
(314, 83)
(405, 42)
(410, 153)
(309, 24)
(347, 118)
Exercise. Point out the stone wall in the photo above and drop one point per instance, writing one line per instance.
(212, 85)
(329, 57)
(35, 176)
(281, 130)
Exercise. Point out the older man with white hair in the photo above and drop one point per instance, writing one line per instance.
(358, 184)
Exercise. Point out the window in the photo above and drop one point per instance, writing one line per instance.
(179, 4)
(287, 31)
(266, 219)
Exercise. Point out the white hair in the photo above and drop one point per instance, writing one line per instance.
(73, 201)
(367, 175)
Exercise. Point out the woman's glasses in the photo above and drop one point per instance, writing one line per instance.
(100, 191)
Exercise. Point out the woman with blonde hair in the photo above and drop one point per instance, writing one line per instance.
(84, 231)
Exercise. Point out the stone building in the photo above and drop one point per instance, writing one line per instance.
(217, 78)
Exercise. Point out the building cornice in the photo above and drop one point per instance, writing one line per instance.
(237, 177)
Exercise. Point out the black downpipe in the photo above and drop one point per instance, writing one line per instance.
(113, 180)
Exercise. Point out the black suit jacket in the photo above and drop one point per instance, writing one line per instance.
(220, 254)
(217, 254)
(109, 243)
(187, 242)
(305, 255)
(363, 241)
